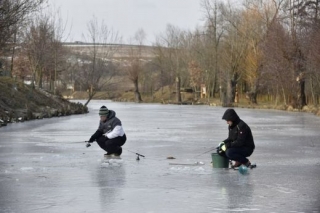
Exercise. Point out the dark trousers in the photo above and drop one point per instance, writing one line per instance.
(239, 154)
(113, 145)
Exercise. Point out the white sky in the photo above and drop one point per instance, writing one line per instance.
(127, 16)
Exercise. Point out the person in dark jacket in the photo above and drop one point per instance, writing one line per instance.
(110, 135)
(239, 145)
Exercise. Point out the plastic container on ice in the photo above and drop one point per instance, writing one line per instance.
(219, 161)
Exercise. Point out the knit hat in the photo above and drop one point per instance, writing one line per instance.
(103, 111)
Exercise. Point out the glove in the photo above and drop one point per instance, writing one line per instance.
(222, 147)
(221, 144)
(95, 136)
(92, 139)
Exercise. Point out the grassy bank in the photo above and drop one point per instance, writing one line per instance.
(165, 96)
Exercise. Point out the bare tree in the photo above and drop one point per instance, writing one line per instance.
(13, 13)
(37, 47)
(196, 76)
(135, 65)
(151, 78)
(210, 41)
(276, 73)
(173, 51)
(93, 71)
(312, 49)
(59, 53)
(256, 19)
(234, 48)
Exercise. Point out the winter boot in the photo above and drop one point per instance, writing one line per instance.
(109, 154)
(248, 164)
(119, 152)
(236, 164)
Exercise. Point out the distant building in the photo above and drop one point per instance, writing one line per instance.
(28, 80)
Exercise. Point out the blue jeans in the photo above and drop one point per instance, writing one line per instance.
(239, 154)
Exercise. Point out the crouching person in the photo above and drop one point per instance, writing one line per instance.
(239, 145)
(110, 135)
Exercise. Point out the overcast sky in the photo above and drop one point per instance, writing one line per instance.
(127, 16)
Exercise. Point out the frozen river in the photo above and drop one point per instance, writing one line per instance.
(45, 166)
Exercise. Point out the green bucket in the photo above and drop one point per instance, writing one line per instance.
(219, 161)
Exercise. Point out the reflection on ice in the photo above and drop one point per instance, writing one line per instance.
(189, 169)
(111, 162)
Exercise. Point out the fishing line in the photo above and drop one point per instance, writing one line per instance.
(206, 152)
(138, 154)
(141, 155)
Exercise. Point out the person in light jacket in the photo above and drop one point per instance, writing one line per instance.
(110, 135)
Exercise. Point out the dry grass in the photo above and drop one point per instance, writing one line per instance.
(166, 95)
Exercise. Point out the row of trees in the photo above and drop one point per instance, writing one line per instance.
(32, 37)
(264, 48)
(14, 16)
(32, 41)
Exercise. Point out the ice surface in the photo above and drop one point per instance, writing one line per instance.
(45, 166)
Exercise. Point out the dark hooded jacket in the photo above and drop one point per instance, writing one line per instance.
(240, 134)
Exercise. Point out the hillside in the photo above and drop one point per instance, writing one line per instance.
(19, 102)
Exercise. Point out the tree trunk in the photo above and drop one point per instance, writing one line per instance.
(284, 96)
(13, 53)
(214, 85)
(231, 89)
(301, 94)
(223, 97)
(136, 91)
(178, 94)
(39, 78)
(91, 94)
(233, 92)
(300, 70)
(253, 94)
(89, 99)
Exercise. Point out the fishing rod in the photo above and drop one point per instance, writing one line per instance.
(87, 144)
(134, 153)
(138, 155)
(207, 151)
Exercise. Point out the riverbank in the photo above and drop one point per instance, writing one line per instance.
(20, 102)
(164, 96)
